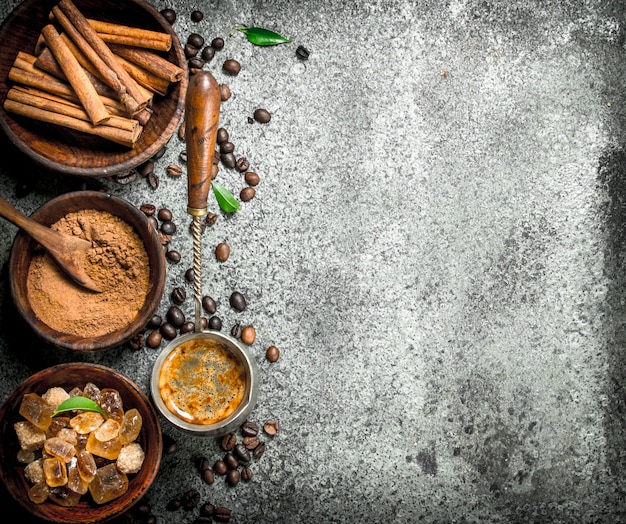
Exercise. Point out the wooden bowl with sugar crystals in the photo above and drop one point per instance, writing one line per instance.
(69, 376)
(119, 145)
(127, 261)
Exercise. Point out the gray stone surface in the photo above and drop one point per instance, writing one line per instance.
(437, 246)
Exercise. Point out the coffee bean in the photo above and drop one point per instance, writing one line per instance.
(183, 156)
(190, 499)
(137, 342)
(153, 222)
(159, 154)
(222, 135)
(146, 167)
(209, 305)
(232, 67)
(270, 427)
(170, 446)
(231, 461)
(179, 295)
(272, 353)
(204, 323)
(242, 164)
(196, 16)
(211, 219)
(237, 301)
(222, 252)
(207, 509)
(208, 476)
(174, 504)
(168, 227)
(174, 170)
(195, 63)
(148, 209)
(154, 339)
(187, 327)
(235, 331)
(247, 194)
(153, 180)
(195, 40)
(241, 452)
(208, 53)
(224, 92)
(228, 159)
(203, 463)
(250, 429)
(227, 147)
(302, 53)
(222, 514)
(155, 321)
(173, 256)
(214, 171)
(262, 116)
(169, 15)
(246, 474)
(217, 43)
(259, 450)
(190, 275)
(190, 51)
(215, 323)
(220, 467)
(229, 441)
(251, 442)
(168, 330)
(252, 178)
(232, 477)
(165, 214)
(175, 316)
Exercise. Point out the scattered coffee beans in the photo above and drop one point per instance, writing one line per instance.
(169, 15)
(196, 16)
(222, 252)
(250, 429)
(224, 92)
(246, 474)
(190, 499)
(155, 321)
(232, 477)
(207, 509)
(208, 53)
(272, 354)
(231, 461)
(241, 452)
(170, 446)
(222, 514)
(217, 43)
(237, 301)
(154, 339)
(227, 147)
(175, 316)
(215, 323)
(222, 135)
(190, 275)
(174, 170)
(232, 67)
(228, 159)
(168, 330)
(270, 427)
(242, 164)
(302, 53)
(229, 441)
(235, 331)
(195, 40)
(252, 178)
(208, 476)
(262, 116)
(211, 219)
(209, 305)
(220, 467)
(247, 194)
(173, 256)
(251, 442)
(179, 295)
(148, 209)
(248, 335)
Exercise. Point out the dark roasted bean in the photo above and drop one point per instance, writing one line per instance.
(174, 170)
(190, 499)
(189, 275)
(208, 53)
(222, 135)
(220, 467)
(252, 178)
(175, 316)
(154, 339)
(208, 476)
(208, 304)
(262, 116)
(217, 43)
(251, 442)
(196, 15)
(228, 159)
(190, 50)
(259, 450)
(222, 252)
(165, 214)
(231, 461)
(232, 67)
(227, 147)
(246, 473)
(271, 427)
(241, 452)
(170, 446)
(155, 321)
(250, 429)
(169, 15)
(153, 221)
(222, 514)
(168, 227)
(183, 156)
(224, 92)
(146, 167)
(272, 353)
(211, 219)
(173, 256)
(195, 63)
(302, 53)
(153, 180)
(232, 477)
(148, 209)
(138, 341)
(179, 295)
(237, 301)
(229, 441)
(174, 504)
(203, 464)
(215, 323)
(159, 154)
(207, 509)
(242, 164)
(168, 330)
(195, 40)
(247, 194)
(235, 331)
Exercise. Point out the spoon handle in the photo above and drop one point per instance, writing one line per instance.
(202, 112)
(36, 230)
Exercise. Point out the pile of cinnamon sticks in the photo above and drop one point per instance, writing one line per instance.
(92, 76)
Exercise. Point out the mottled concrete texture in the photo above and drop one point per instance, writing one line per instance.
(437, 246)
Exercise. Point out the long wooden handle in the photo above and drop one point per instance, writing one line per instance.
(202, 112)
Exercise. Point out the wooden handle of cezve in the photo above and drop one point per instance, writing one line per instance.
(202, 112)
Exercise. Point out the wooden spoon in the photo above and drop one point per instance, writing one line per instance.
(68, 251)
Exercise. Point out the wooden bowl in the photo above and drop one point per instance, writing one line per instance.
(70, 152)
(68, 376)
(24, 248)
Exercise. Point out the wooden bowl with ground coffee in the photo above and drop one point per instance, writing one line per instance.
(127, 261)
(112, 458)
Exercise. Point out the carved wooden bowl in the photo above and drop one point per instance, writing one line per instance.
(25, 248)
(70, 152)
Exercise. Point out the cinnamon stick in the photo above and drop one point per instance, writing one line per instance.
(113, 134)
(129, 93)
(146, 38)
(149, 61)
(76, 76)
(145, 78)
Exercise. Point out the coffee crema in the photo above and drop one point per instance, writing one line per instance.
(202, 382)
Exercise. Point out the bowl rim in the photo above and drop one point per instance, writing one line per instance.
(100, 513)
(108, 341)
(129, 159)
(235, 419)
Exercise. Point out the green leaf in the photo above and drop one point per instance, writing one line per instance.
(263, 37)
(224, 198)
(78, 403)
